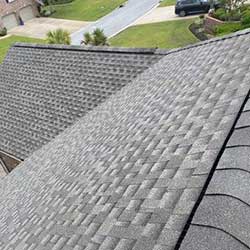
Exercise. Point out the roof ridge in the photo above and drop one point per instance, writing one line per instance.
(121, 50)
(105, 49)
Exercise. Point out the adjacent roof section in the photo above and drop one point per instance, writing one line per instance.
(127, 174)
(222, 219)
(44, 89)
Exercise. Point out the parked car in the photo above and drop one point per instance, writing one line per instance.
(184, 7)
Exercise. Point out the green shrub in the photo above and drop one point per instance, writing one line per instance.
(235, 15)
(97, 38)
(227, 28)
(58, 36)
(244, 7)
(221, 14)
(45, 13)
(224, 15)
(3, 31)
(246, 18)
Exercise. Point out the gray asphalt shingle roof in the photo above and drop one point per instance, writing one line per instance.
(44, 89)
(222, 218)
(127, 175)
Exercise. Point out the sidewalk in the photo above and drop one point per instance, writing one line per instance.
(160, 15)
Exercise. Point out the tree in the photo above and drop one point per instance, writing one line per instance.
(232, 5)
(58, 36)
(97, 38)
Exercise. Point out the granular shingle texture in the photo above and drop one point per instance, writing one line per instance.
(224, 212)
(127, 175)
(45, 89)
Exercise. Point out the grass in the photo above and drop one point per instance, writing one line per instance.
(171, 34)
(85, 10)
(5, 43)
(165, 3)
(227, 28)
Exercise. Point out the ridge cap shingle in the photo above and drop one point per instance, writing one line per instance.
(104, 49)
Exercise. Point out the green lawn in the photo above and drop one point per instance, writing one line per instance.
(85, 10)
(228, 28)
(165, 3)
(171, 34)
(7, 42)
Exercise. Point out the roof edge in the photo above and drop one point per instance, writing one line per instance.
(213, 169)
(104, 49)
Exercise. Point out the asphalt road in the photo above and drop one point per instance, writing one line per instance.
(117, 20)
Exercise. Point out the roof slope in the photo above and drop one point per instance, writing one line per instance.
(44, 89)
(222, 219)
(127, 174)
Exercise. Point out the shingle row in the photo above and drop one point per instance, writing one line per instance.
(44, 90)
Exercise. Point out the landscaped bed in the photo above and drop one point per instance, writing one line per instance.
(5, 43)
(222, 21)
(171, 34)
(85, 10)
(237, 18)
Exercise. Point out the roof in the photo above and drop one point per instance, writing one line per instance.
(45, 89)
(129, 174)
(222, 218)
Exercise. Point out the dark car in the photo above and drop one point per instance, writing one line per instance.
(184, 7)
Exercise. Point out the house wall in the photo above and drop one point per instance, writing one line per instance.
(14, 7)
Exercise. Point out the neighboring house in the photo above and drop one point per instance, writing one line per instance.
(14, 12)
(151, 153)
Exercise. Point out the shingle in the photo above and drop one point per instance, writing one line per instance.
(240, 137)
(231, 182)
(225, 213)
(125, 244)
(244, 120)
(168, 237)
(235, 157)
(199, 237)
(144, 244)
(131, 232)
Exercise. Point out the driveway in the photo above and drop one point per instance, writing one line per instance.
(161, 14)
(38, 27)
(117, 20)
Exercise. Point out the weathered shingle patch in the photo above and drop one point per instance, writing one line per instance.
(45, 89)
(127, 174)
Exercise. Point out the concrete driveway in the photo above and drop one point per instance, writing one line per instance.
(118, 20)
(38, 27)
(160, 15)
